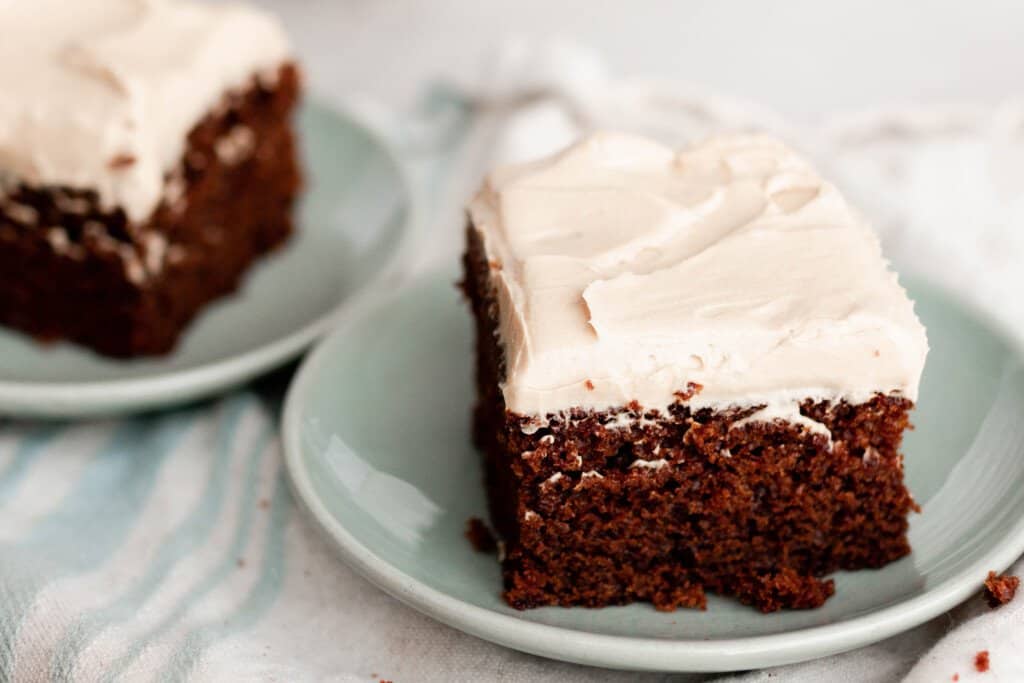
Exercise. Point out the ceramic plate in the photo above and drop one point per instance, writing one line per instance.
(353, 223)
(377, 445)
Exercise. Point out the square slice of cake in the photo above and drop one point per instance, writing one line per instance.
(147, 159)
(694, 370)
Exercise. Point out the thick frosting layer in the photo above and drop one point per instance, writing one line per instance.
(100, 94)
(627, 271)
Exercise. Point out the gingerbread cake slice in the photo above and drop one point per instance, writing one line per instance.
(694, 370)
(147, 159)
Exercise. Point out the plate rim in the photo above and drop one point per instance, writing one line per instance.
(162, 388)
(615, 651)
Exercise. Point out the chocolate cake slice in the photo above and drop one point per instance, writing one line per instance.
(147, 159)
(693, 370)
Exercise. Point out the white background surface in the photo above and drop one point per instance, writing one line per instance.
(804, 58)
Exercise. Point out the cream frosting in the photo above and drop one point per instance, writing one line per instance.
(625, 271)
(101, 94)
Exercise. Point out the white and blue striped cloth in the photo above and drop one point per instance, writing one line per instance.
(168, 546)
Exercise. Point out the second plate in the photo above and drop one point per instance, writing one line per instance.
(354, 220)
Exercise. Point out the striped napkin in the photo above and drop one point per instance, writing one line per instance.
(169, 547)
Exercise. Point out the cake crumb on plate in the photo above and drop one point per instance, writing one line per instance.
(480, 536)
(1000, 589)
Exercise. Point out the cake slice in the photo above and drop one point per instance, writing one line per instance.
(693, 372)
(146, 160)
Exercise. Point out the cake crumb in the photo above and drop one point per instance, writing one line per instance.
(122, 161)
(480, 536)
(981, 661)
(1000, 589)
(589, 385)
(692, 389)
(241, 562)
(494, 264)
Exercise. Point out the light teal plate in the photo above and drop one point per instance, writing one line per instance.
(377, 445)
(353, 226)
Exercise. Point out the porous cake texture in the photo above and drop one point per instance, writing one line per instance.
(694, 370)
(147, 159)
